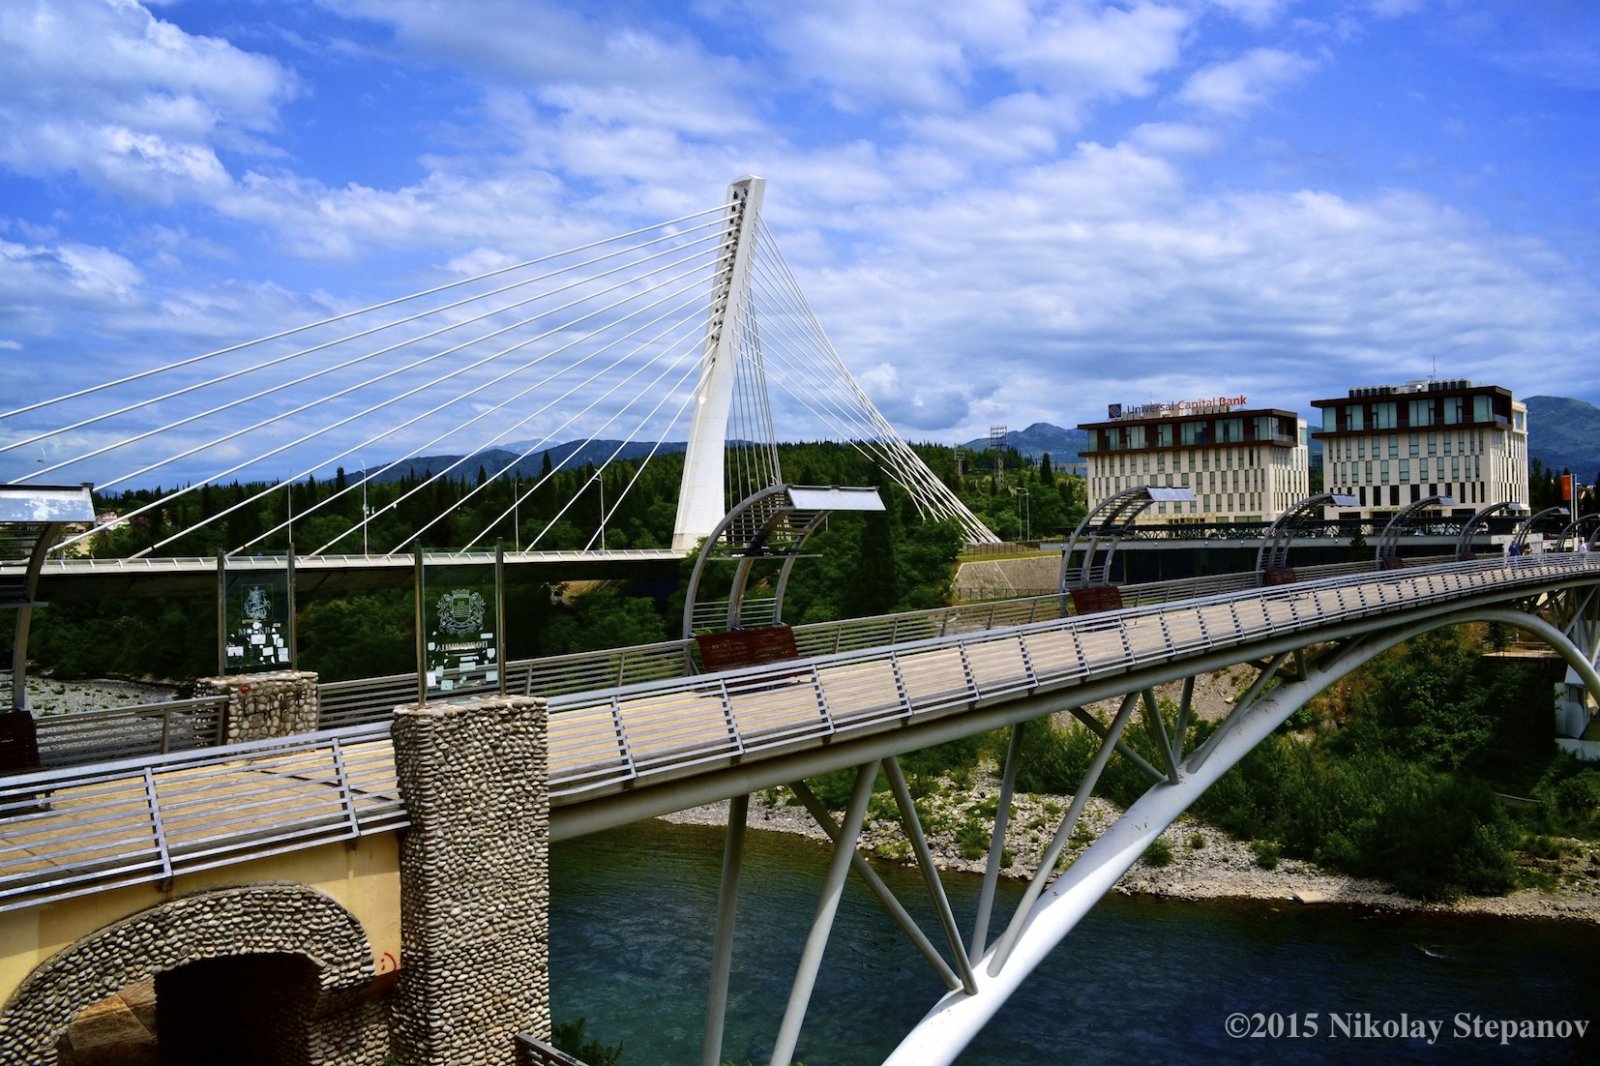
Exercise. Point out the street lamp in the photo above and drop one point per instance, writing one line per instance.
(365, 514)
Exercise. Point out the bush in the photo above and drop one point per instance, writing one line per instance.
(1158, 854)
(571, 1038)
(1578, 794)
(1267, 853)
(972, 839)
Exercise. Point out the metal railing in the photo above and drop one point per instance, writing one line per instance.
(601, 741)
(189, 564)
(79, 737)
(68, 832)
(65, 833)
(373, 699)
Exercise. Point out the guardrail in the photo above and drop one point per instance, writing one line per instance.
(188, 564)
(603, 741)
(69, 832)
(371, 699)
(65, 833)
(79, 737)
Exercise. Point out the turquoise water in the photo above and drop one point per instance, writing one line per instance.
(1138, 981)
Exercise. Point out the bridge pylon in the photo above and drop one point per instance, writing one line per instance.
(701, 502)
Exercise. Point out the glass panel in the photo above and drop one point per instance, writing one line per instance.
(460, 611)
(255, 622)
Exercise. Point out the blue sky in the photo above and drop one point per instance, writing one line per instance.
(1002, 212)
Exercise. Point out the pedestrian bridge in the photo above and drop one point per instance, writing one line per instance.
(79, 846)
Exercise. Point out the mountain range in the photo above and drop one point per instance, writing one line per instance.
(494, 460)
(1563, 434)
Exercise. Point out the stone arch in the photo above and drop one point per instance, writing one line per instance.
(262, 919)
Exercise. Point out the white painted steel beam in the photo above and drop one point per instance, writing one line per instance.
(953, 1023)
(701, 502)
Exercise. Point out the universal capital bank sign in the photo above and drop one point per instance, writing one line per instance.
(1212, 405)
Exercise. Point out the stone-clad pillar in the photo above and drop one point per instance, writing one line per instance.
(279, 703)
(474, 881)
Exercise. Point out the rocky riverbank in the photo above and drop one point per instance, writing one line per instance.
(1204, 863)
(46, 695)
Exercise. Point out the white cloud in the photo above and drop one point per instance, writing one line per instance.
(1244, 84)
(1086, 51)
(1175, 138)
(1256, 13)
(104, 90)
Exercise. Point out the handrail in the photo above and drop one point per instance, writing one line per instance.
(372, 699)
(1114, 640)
(68, 832)
(79, 737)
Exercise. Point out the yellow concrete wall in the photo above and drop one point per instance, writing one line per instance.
(363, 876)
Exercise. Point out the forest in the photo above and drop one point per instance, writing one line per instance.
(860, 565)
(1398, 773)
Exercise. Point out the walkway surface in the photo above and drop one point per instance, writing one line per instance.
(68, 832)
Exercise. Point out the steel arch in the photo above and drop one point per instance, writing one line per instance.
(957, 1018)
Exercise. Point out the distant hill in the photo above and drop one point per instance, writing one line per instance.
(493, 460)
(1564, 434)
(1064, 445)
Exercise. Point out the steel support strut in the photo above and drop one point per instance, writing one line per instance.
(722, 944)
(907, 924)
(805, 978)
(997, 845)
(930, 870)
(1047, 861)
(956, 1019)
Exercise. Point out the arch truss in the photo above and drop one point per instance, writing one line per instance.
(1104, 527)
(31, 520)
(1272, 559)
(1519, 539)
(1388, 555)
(1470, 528)
(774, 523)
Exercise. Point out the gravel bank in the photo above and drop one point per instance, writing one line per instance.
(1205, 864)
(49, 696)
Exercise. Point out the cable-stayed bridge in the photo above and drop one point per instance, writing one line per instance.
(361, 839)
(693, 330)
(617, 754)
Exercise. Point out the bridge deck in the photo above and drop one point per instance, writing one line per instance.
(66, 832)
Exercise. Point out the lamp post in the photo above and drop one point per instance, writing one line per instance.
(365, 514)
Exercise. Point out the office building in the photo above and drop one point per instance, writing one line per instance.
(1244, 465)
(1392, 445)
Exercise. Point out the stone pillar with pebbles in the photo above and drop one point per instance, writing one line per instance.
(474, 881)
(281, 703)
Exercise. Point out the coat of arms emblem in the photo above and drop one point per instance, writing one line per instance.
(257, 607)
(460, 611)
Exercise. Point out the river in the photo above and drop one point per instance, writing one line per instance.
(1140, 980)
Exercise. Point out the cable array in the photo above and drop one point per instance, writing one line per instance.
(574, 359)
